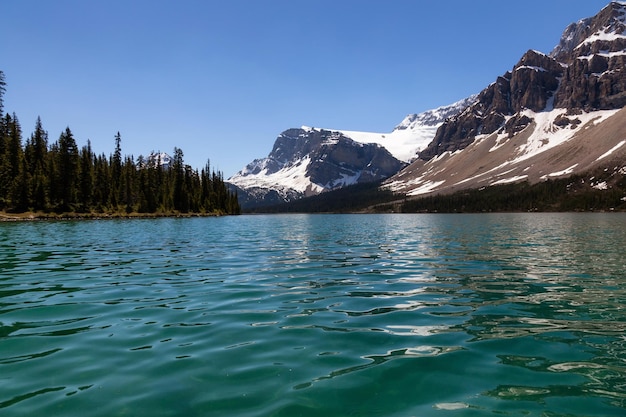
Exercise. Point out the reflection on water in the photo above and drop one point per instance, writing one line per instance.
(315, 315)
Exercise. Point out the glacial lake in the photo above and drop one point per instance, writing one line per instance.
(315, 315)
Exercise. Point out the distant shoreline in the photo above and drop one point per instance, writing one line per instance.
(34, 216)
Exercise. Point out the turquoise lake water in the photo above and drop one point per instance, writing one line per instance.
(315, 315)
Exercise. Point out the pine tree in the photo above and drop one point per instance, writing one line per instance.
(102, 184)
(116, 172)
(181, 201)
(53, 175)
(128, 195)
(2, 91)
(207, 196)
(194, 189)
(36, 154)
(68, 168)
(163, 190)
(148, 189)
(21, 187)
(86, 183)
(11, 164)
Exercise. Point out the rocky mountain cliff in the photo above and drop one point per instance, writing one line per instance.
(550, 116)
(593, 54)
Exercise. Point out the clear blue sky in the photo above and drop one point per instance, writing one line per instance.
(221, 79)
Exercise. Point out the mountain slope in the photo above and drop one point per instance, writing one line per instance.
(551, 116)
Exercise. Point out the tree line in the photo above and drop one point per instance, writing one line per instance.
(36, 175)
(574, 193)
(362, 197)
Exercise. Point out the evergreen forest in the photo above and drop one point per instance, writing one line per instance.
(575, 193)
(59, 177)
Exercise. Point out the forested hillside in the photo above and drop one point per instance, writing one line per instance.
(36, 175)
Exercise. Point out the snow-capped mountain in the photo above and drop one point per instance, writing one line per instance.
(154, 159)
(308, 160)
(550, 116)
(162, 159)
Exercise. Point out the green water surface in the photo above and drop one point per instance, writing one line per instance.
(315, 315)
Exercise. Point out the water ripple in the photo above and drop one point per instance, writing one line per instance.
(332, 315)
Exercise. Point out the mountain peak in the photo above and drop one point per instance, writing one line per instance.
(436, 116)
(537, 61)
(605, 32)
(157, 159)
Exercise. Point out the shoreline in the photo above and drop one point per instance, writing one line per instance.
(42, 216)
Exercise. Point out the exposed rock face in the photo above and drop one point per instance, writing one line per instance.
(593, 50)
(586, 71)
(534, 80)
(597, 83)
(594, 35)
(337, 158)
(530, 85)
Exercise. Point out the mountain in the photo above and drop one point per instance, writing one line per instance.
(161, 159)
(551, 116)
(308, 161)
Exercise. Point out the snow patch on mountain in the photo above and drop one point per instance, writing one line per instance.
(613, 31)
(610, 151)
(566, 171)
(547, 134)
(415, 131)
(402, 144)
(290, 177)
(157, 159)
